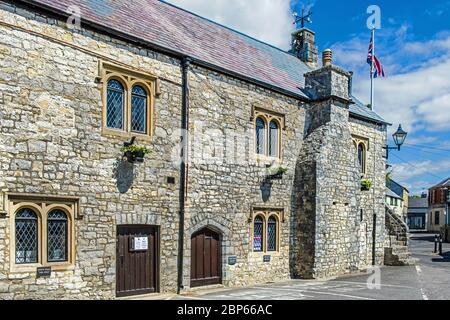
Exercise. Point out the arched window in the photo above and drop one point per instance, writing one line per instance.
(57, 232)
(258, 234)
(26, 225)
(272, 234)
(115, 105)
(362, 158)
(260, 136)
(273, 139)
(138, 110)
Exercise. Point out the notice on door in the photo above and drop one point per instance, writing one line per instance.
(139, 244)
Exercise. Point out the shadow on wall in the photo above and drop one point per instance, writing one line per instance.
(124, 175)
(266, 189)
(302, 221)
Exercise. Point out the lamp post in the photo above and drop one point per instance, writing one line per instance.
(399, 139)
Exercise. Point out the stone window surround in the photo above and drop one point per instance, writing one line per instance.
(358, 140)
(42, 206)
(269, 115)
(266, 213)
(128, 78)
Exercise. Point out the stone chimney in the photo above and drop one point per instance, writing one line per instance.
(327, 57)
(304, 47)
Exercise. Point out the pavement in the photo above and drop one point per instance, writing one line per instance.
(429, 279)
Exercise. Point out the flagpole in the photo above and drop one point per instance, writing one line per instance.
(372, 73)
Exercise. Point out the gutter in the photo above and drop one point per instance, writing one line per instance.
(185, 63)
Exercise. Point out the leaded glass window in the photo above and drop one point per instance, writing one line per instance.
(57, 236)
(258, 231)
(362, 158)
(273, 139)
(115, 105)
(26, 224)
(272, 234)
(260, 136)
(139, 110)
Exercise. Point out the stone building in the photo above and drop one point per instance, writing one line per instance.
(438, 204)
(255, 164)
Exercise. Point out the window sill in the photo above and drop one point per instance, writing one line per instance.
(31, 268)
(111, 133)
(262, 254)
(265, 160)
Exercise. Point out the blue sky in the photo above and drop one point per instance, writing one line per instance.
(413, 44)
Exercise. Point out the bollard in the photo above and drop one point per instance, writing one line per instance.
(440, 245)
(435, 243)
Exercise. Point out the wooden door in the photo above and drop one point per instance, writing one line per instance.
(205, 258)
(137, 260)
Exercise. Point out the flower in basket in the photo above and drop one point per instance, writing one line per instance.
(276, 170)
(135, 153)
(366, 184)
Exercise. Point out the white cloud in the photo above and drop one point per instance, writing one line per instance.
(416, 91)
(266, 20)
(437, 112)
(409, 171)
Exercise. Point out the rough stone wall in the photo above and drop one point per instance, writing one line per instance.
(331, 239)
(225, 179)
(372, 201)
(51, 144)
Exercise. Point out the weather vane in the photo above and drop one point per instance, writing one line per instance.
(303, 18)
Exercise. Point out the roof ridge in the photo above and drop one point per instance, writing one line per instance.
(229, 28)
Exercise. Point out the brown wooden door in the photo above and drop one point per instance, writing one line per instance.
(137, 267)
(205, 258)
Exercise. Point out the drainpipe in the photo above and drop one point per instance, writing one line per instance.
(185, 63)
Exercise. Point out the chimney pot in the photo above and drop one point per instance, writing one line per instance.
(327, 57)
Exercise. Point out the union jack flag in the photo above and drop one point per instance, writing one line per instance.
(379, 70)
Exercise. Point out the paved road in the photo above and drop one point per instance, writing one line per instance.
(433, 270)
(429, 279)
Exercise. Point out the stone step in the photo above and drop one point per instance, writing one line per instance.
(400, 248)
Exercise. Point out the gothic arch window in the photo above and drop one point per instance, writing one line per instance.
(362, 158)
(42, 232)
(272, 234)
(26, 242)
(128, 101)
(260, 136)
(274, 133)
(57, 236)
(115, 103)
(268, 138)
(139, 110)
(258, 234)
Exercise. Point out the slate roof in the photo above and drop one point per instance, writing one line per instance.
(417, 202)
(392, 194)
(176, 30)
(396, 187)
(444, 183)
(362, 110)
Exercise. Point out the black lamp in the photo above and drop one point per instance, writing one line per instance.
(400, 137)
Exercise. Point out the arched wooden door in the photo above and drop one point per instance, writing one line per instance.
(206, 267)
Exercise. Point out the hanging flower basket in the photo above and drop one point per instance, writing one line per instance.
(135, 153)
(276, 173)
(366, 184)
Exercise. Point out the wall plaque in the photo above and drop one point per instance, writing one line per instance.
(232, 261)
(266, 258)
(43, 272)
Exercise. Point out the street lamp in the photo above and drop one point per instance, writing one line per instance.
(399, 139)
